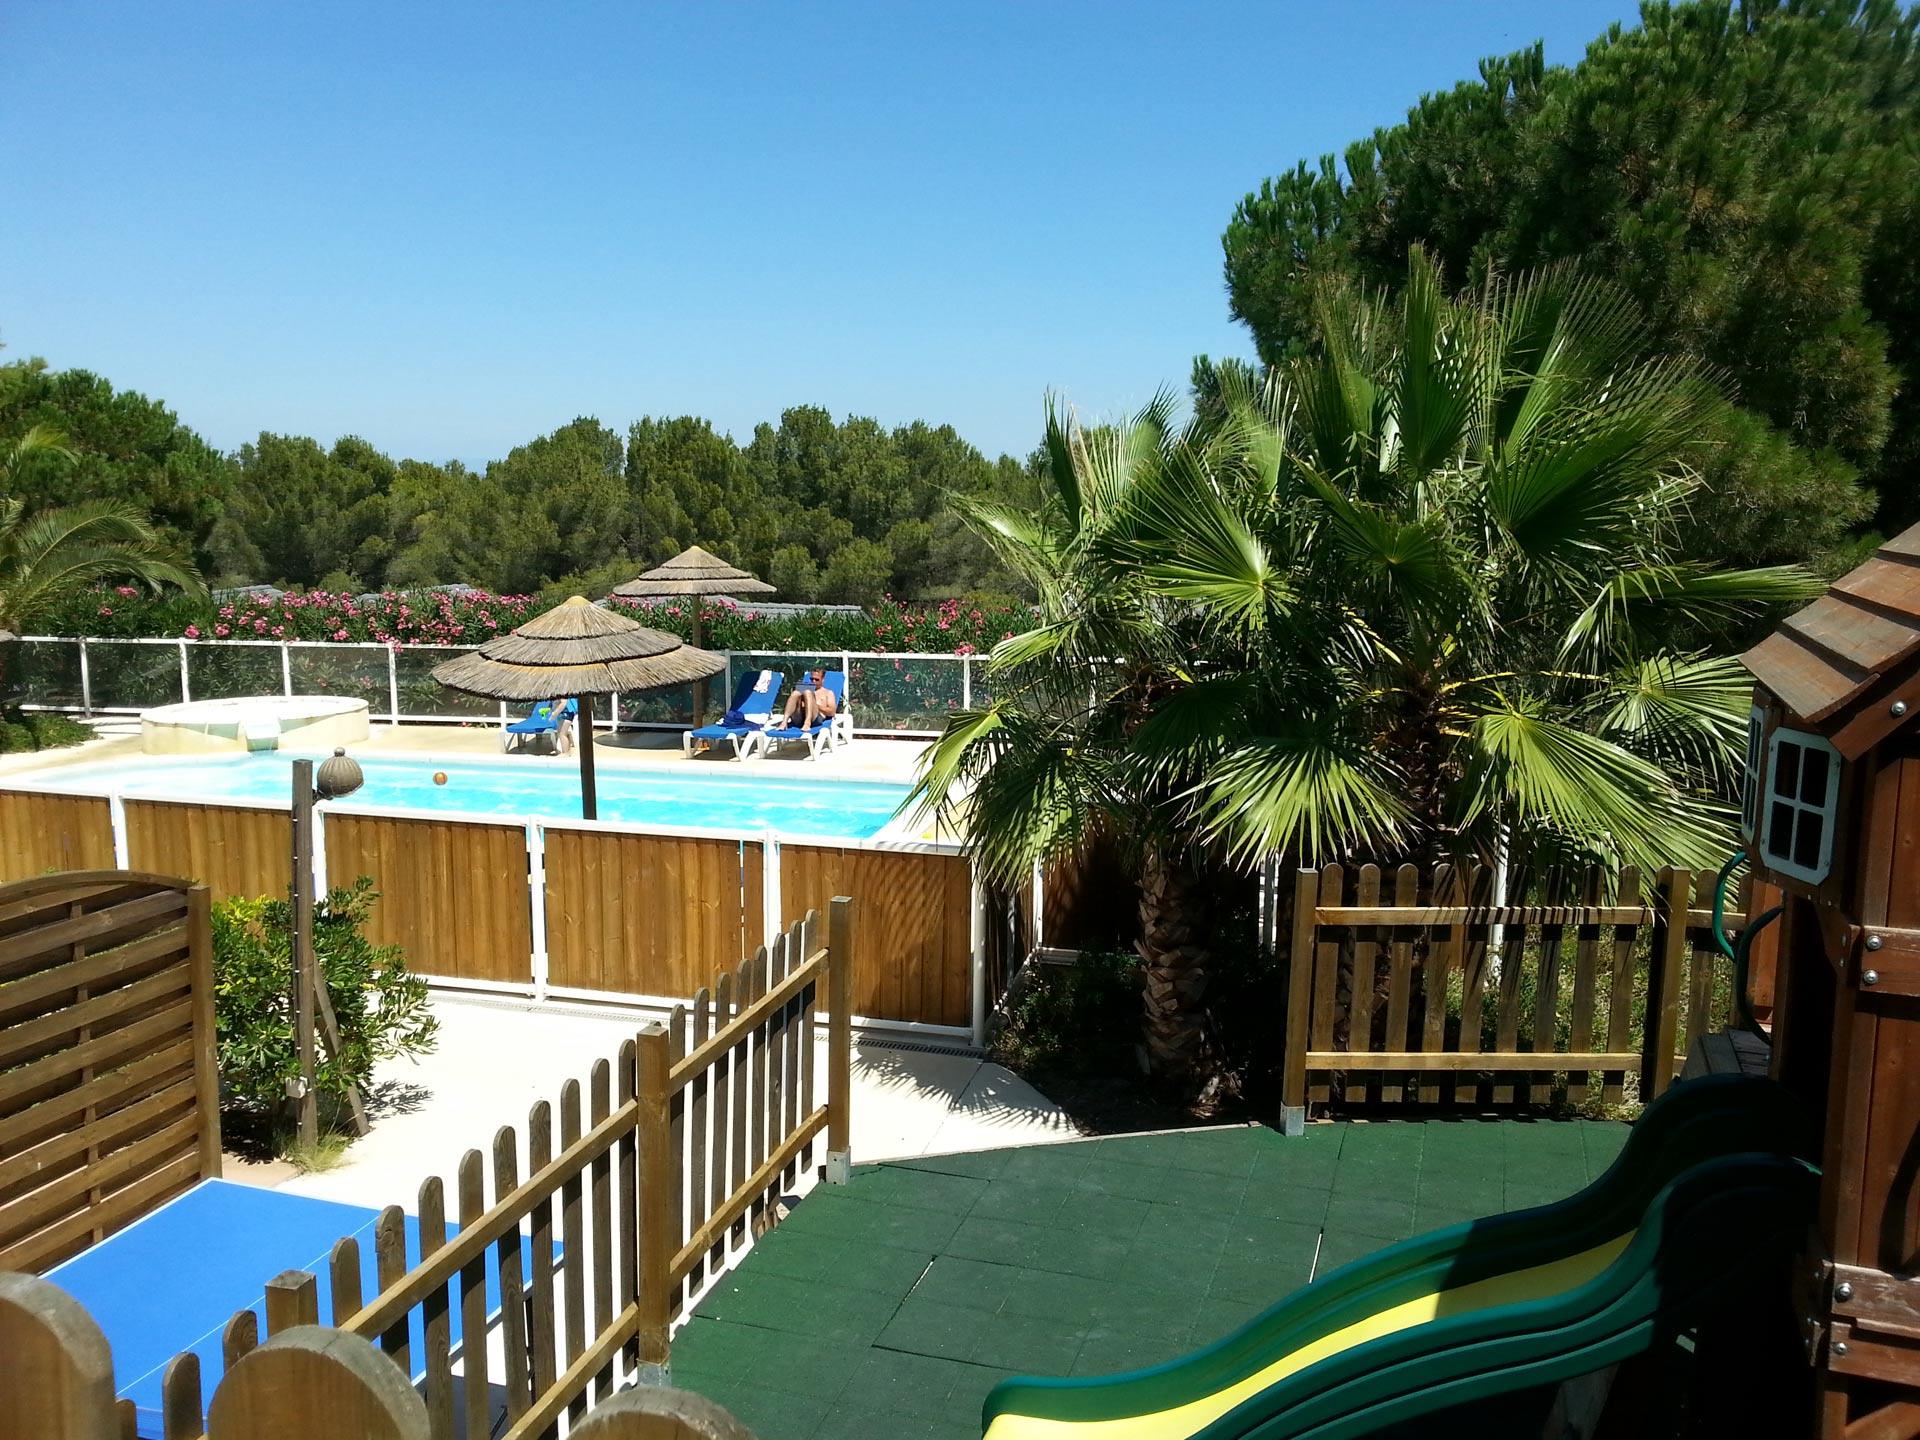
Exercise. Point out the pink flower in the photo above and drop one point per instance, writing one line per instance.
(126, 590)
(279, 631)
(106, 609)
(963, 648)
(339, 634)
(193, 632)
(222, 631)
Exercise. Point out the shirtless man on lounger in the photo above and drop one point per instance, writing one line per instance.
(813, 697)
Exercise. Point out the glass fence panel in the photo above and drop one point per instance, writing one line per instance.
(341, 670)
(126, 675)
(904, 692)
(42, 672)
(425, 698)
(666, 707)
(223, 672)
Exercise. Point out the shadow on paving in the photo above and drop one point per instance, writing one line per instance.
(890, 1306)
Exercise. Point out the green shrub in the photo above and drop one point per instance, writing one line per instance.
(39, 730)
(381, 1007)
(1062, 1012)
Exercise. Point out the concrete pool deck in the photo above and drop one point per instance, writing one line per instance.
(429, 1112)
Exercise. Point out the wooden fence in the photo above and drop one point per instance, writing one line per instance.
(607, 925)
(1414, 988)
(580, 910)
(230, 849)
(304, 1383)
(649, 1189)
(109, 1099)
(453, 893)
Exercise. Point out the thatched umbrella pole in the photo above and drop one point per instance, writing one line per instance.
(694, 573)
(581, 650)
(589, 796)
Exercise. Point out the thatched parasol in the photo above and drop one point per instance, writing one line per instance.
(578, 649)
(694, 572)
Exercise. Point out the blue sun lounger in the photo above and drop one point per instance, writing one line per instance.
(752, 711)
(546, 719)
(829, 734)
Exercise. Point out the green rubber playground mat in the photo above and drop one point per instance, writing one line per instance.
(889, 1306)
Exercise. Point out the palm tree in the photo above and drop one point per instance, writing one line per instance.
(48, 555)
(1415, 594)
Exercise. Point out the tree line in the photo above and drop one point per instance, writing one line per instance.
(833, 511)
(1749, 173)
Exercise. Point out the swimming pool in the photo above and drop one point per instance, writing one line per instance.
(833, 808)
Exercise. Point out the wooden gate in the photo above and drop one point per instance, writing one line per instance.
(109, 1099)
(1415, 988)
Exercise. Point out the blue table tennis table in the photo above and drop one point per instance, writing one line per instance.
(170, 1281)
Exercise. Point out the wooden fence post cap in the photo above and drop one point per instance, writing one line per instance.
(47, 1334)
(318, 1384)
(650, 1412)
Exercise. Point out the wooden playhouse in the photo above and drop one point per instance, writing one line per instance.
(1831, 815)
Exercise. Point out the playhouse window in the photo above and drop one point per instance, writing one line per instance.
(1802, 790)
(1750, 784)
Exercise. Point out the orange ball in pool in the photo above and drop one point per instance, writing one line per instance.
(439, 777)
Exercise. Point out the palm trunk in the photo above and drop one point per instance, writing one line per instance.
(1173, 953)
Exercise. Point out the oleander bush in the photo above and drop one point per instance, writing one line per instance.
(972, 625)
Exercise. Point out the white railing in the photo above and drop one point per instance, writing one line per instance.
(888, 693)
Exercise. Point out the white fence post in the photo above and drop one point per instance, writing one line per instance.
(977, 940)
(770, 887)
(286, 669)
(846, 669)
(117, 818)
(537, 899)
(1039, 906)
(86, 681)
(393, 685)
(186, 690)
(966, 683)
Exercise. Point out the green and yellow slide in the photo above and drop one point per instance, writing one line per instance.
(1713, 1181)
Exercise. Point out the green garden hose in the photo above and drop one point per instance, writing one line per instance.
(1736, 950)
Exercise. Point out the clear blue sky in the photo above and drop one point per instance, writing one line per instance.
(449, 231)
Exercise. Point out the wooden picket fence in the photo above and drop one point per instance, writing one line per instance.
(1413, 988)
(305, 1383)
(661, 1172)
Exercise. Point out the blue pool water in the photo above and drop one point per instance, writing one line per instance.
(703, 798)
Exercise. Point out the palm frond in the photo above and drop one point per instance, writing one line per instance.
(1306, 794)
(1530, 769)
(1686, 590)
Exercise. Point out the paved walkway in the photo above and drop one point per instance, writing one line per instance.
(890, 1306)
(496, 1057)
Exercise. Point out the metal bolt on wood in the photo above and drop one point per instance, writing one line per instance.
(1843, 1291)
(1874, 942)
(1872, 977)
